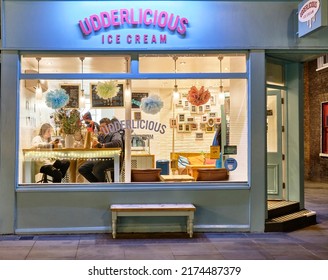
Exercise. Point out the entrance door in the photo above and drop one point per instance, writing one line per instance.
(275, 157)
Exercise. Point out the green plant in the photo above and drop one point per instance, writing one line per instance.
(68, 120)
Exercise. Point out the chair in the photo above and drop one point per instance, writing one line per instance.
(43, 178)
(146, 175)
(212, 174)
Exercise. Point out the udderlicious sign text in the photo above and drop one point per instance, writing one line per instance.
(146, 19)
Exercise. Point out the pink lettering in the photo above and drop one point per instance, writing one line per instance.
(118, 39)
(162, 39)
(146, 39)
(129, 39)
(105, 19)
(137, 39)
(85, 31)
(145, 20)
(124, 16)
(95, 22)
(132, 17)
(114, 18)
(153, 39)
(162, 21)
(110, 39)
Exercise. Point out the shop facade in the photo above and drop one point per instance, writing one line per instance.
(225, 52)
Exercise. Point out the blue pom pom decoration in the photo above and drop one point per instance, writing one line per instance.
(151, 105)
(57, 98)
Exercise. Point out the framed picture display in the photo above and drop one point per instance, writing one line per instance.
(173, 123)
(199, 136)
(193, 109)
(180, 127)
(137, 116)
(179, 103)
(213, 100)
(136, 99)
(73, 91)
(98, 102)
(187, 127)
(200, 109)
(212, 114)
(209, 128)
(207, 107)
(190, 119)
(193, 126)
(181, 118)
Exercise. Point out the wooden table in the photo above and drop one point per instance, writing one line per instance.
(177, 178)
(36, 154)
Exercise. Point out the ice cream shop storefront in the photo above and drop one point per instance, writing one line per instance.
(147, 102)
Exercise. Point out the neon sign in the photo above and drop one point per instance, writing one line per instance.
(131, 18)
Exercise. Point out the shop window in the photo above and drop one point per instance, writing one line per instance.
(324, 127)
(180, 136)
(72, 64)
(190, 63)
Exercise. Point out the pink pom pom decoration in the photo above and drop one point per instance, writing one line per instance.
(198, 97)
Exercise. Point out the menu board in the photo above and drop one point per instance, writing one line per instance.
(98, 102)
(74, 93)
(136, 99)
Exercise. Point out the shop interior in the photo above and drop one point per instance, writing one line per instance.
(196, 122)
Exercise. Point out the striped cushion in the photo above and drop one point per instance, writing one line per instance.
(182, 161)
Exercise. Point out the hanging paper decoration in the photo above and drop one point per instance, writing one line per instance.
(107, 89)
(57, 98)
(151, 105)
(198, 97)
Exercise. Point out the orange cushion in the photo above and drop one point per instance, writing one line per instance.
(196, 160)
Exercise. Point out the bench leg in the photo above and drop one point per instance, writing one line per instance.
(114, 220)
(190, 226)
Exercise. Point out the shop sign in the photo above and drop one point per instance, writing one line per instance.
(131, 20)
(311, 16)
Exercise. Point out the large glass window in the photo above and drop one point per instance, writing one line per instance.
(181, 126)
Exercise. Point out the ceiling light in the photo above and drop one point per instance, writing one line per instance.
(38, 89)
(176, 93)
(82, 97)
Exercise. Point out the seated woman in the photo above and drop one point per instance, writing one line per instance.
(56, 169)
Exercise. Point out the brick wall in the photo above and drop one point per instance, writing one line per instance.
(316, 92)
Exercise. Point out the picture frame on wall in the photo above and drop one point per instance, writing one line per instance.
(209, 129)
(200, 109)
(180, 127)
(136, 99)
(207, 107)
(193, 126)
(173, 123)
(137, 116)
(199, 136)
(213, 100)
(187, 127)
(212, 114)
(179, 103)
(193, 109)
(190, 119)
(73, 91)
(181, 118)
(202, 126)
(97, 102)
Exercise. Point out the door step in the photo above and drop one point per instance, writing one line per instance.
(284, 216)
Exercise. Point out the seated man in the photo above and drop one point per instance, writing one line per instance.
(94, 171)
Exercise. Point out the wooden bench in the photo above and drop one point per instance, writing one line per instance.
(124, 210)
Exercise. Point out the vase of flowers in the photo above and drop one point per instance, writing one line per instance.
(69, 123)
